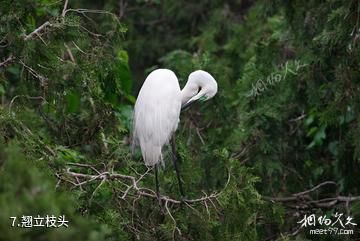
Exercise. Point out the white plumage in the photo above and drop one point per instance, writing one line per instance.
(157, 111)
(158, 107)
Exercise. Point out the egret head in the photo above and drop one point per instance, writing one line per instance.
(200, 86)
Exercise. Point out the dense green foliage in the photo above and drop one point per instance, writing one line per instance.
(285, 119)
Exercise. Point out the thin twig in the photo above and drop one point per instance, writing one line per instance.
(7, 60)
(135, 191)
(173, 219)
(199, 135)
(37, 31)
(96, 189)
(304, 201)
(25, 96)
(78, 48)
(315, 188)
(142, 191)
(298, 118)
(34, 73)
(68, 50)
(64, 8)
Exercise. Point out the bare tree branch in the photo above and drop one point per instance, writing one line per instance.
(303, 200)
(142, 191)
(6, 61)
(315, 188)
(38, 30)
(27, 97)
(43, 80)
(64, 8)
(122, 8)
(134, 191)
(42, 27)
(68, 50)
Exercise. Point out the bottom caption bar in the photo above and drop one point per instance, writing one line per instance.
(48, 221)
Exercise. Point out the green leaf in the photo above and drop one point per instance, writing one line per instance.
(2, 90)
(320, 135)
(312, 131)
(123, 71)
(73, 102)
(309, 120)
(125, 114)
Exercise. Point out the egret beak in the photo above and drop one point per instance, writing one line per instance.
(200, 96)
(187, 105)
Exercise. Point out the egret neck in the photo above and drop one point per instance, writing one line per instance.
(200, 86)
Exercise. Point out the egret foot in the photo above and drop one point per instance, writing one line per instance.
(183, 199)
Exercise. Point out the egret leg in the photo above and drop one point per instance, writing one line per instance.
(157, 182)
(174, 157)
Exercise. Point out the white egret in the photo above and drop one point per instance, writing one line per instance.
(157, 111)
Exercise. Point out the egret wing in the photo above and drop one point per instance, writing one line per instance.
(157, 111)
